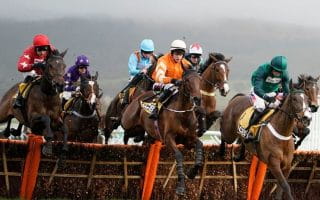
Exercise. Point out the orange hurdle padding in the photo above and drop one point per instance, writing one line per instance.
(31, 166)
(151, 170)
(252, 175)
(258, 182)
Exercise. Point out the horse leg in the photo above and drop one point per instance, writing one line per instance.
(305, 133)
(47, 132)
(241, 155)
(17, 132)
(274, 167)
(6, 131)
(181, 188)
(222, 149)
(198, 160)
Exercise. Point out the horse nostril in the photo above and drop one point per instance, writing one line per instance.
(314, 108)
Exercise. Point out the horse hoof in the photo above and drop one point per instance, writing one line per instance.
(180, 190)
(193, 172)
(47, 150)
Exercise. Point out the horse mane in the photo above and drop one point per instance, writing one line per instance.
(218, 56)
(188, 72)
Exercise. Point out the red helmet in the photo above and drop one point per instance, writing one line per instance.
(41, 40)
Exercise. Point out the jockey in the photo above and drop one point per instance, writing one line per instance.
(194, 55)
(32, 62)
(80, 68)
(169, 71)
(139, 62)
(266, 82)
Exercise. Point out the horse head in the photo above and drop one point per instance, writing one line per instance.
(219, 72)
(55, 69)
(191, 85)
(297, 102)
(311, 89)
(89, 90)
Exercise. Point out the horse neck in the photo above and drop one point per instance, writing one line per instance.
(183, 101)
(282, 122)
(82, 107)
(208, 80)
(46, 87)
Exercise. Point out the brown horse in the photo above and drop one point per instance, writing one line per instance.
(43, 103)
(215, 76)
(311, 89)
(177, 121)
(275, 147)
(115, 108)
(81, 118)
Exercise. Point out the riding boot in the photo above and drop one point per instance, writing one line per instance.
(125, 100)
(19, 102)
(163, 96)
(253, 120)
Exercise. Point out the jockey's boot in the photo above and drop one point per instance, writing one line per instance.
(163, 96)
(19, 102)
(125, 100)
(253, 120)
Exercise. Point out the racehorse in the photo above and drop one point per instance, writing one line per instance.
(177, 121)
(275, 146)
(311, 89)
(115, 108)
(81, 117)
(43, 103)
(215, 76)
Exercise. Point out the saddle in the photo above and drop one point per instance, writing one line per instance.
(121, 95)
(245, 118)
(68, 104)
(25, 88)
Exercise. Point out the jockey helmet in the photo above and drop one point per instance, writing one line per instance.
(178, 45)
(41, 40)
(195, 48)
(82, 60)
(147, 45)
(279, 63)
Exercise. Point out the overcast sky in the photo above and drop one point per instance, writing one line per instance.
(304, 13)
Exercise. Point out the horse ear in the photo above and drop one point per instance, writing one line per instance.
(64, 53)
(317, 78)
(96, 76)
(212, 56)
(227, 60)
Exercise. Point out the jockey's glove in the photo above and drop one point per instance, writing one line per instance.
(176, 82)
(39, 65)
(269, 99)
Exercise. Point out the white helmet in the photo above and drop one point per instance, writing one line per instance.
(178, 44)
(195, 48)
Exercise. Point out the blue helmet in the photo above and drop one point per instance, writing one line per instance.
(82, 60)
(147, 45)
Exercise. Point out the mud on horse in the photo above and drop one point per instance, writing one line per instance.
(43, 104)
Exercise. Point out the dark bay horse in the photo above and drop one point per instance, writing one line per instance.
(177, 121)
(215, 76)
(43, 103)
(81, 118)
(311, 89)
(276, 146)
(115, 108)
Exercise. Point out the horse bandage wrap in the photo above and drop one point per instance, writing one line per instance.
(245, 119)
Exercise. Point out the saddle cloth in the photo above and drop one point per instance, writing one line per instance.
(245, 118)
